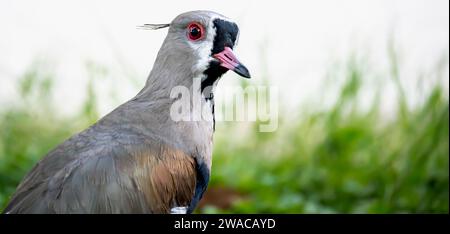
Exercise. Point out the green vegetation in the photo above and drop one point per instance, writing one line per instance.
(340, 160)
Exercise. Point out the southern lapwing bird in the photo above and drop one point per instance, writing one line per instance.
(138, 159)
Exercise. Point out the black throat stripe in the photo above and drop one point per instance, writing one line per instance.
(226, 33)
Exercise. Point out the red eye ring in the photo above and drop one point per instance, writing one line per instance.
(195, 31)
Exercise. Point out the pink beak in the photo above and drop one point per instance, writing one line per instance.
(228, 60)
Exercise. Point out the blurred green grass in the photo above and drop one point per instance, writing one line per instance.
(340, 160)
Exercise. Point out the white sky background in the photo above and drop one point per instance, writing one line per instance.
(301, 40)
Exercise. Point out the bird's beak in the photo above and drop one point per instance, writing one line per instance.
(228, 60)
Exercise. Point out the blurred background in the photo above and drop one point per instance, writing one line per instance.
(363, 96)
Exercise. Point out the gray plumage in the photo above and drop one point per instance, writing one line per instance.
(136, 159)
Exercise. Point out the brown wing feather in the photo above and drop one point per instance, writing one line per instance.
(166, 181)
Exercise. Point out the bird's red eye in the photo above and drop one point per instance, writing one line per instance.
(195, 31)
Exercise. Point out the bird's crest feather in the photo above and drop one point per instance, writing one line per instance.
(153, 26)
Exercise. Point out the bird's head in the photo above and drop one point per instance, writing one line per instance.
(203, 40)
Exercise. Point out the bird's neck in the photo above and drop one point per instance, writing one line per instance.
(169, 74)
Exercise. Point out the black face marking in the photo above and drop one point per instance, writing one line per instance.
(226, 33)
